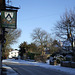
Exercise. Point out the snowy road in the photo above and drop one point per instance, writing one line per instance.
(24, 69)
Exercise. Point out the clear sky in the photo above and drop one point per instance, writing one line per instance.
(39, 13)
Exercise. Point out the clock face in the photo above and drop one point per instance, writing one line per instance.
(8, 19)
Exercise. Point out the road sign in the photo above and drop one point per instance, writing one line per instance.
(9, 19)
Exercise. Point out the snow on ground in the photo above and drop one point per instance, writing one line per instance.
(10, 70)
(45, 65)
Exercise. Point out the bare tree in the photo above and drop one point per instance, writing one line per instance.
(11, 38)
(41, 38)
(65, 28)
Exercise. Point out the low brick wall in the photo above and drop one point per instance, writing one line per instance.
(68, 64)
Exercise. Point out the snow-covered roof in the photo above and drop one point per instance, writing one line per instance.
(56, 46)
(65, 43)
(14, 51)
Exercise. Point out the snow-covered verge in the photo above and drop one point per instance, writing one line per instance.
(45, 65)
(10, 70)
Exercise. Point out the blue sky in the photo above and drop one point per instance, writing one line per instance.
(39, 13)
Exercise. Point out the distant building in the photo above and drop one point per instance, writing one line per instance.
(13, 54)
(66, 46)
(74, 44)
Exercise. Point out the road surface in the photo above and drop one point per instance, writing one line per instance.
(24, 69)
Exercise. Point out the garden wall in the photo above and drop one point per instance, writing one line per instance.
(68, 64)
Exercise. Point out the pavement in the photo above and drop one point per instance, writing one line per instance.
(8, 71)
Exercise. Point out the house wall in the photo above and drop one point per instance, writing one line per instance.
(13, 54)
(74, 44)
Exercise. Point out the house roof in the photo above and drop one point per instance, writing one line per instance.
(14, 51)
(65, 43)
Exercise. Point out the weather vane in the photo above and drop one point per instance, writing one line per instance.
(8, 1)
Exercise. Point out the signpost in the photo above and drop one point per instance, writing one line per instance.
(0, 51)
(8, 19)
(2, 5)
